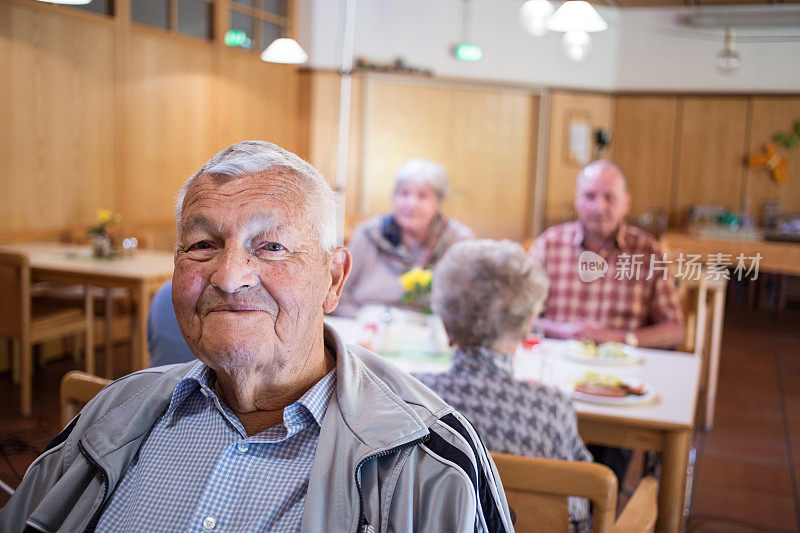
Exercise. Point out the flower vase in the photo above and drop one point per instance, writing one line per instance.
(101, 246)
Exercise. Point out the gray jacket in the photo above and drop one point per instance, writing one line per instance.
(391, 456)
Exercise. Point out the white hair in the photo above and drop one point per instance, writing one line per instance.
(487, 290)
(425, 171)
(254, 157)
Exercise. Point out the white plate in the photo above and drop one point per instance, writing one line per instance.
(632, 357)
(631, 399)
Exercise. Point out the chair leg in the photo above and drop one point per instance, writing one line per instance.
(26, 378)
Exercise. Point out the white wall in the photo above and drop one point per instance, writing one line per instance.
(655, 53)
(423, 32)
(643, 49)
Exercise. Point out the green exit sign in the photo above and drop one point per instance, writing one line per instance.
(468, 52)
(238, 38)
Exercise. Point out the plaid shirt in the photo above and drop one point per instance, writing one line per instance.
(199, 471)
(622, 299)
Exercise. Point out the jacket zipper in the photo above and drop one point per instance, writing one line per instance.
(363, 525)
(92, 525)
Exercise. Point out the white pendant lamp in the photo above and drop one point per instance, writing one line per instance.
(284, 50)
(532, 15)
(576, 44)
(576, 15)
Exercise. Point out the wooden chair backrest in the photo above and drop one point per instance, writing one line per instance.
(15, 287)
(537, 491)
(693, 296)
(77, 388)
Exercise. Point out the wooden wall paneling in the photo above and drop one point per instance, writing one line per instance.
(172, 126)
(57, 116)
(17, 138)
(481, 136)
(259, 101)
(644, 146)
(321, 104)
(712, 134)
(771, 114)
(492, 166)
(320, 108)
(598, 110)
(402, 121)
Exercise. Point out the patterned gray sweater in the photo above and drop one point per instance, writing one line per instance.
(513, 416)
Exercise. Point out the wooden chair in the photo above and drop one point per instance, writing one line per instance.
(77, 388)
(27, 323)
(693, 296)
(537, 491)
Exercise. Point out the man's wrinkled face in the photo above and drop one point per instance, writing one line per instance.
(250, 283)
(415, 204)
(601, 200)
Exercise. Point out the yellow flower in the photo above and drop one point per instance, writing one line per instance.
(416, 277)
(104, 216)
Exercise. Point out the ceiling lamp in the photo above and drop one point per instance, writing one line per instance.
(576, 18)
(284, 50)
(576, 15)
(576, 44)
(728, 60)
(533, 14)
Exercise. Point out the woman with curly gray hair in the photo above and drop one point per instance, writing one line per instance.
(487, 294)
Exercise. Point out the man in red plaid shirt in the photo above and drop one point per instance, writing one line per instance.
(608, 281)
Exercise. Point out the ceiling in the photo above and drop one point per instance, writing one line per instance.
(687, 3)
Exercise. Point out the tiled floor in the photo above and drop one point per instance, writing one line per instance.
(748, 467)
(746, 477)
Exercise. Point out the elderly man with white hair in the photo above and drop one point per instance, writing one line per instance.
(279, 426)
(488, 293)
(415, 234)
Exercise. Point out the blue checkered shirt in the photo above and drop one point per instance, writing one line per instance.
(198, 470)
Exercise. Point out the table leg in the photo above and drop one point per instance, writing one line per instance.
(139, 357)
(88, 306)
(714, 356)
(675, 457)
(109, 334)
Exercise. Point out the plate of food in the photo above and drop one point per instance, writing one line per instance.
(607, 353)
(611, 390)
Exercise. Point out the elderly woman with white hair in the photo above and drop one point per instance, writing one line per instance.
(415, 234)
(488, 293)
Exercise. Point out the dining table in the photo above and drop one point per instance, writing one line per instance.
(140, 272)
(662, 422)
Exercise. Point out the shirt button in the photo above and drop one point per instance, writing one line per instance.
(242, 446)
(209, 522)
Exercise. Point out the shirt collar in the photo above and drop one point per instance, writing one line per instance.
(314, 401)
(199, 377)
(619, 235)
(483, 360)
